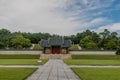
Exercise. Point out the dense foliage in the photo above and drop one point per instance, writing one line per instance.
(90, 40)
(20, 42)
(118, 52)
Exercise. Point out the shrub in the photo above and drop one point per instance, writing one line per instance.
(91, 46)
(37, 47)
(74, 47)
(19, 42)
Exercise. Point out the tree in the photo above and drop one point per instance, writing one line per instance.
(87, 43)
(20, 42)
(4, 31)
(112, 44)
(91, 46)
(114, 35)
(4, 37)
(104, 37)
(2, 45)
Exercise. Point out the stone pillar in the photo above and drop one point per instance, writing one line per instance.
(51, 50)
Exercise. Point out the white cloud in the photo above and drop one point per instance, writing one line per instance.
(111, 27)
(34, 16)
(63, 17)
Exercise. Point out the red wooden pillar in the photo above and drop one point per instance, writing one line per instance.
(51, 50)
(67, 51)
(60, 50)
(43, 50)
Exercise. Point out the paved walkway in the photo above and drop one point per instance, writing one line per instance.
(54, 70)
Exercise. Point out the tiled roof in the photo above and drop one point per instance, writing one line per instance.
(44, 43)
(55, 42)
(67, 43)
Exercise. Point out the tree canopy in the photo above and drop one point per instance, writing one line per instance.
(86, 39)
(20, 42)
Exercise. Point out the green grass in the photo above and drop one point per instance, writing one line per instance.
(21, 61)
(37, 47)
(97, 57)
(98, 73)
(18, 61)
(74, 47)
(19, 56)
(15, 73)
(92, 62)
(44, 61)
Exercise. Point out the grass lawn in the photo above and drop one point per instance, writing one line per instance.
(92, 62)
(18, 61)
(98, 73)
(15, 73)
(96, 57)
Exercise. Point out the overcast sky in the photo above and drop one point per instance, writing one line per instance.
(64, 17)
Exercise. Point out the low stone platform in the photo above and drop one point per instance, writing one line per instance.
(54, 70)
(55, 56)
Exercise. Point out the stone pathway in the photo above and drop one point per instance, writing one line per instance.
(54, 70)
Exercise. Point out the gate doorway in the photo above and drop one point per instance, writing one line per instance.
(56, 49)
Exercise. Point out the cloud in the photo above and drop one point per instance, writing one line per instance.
(63, 17)
(34, 16)
(111, 27)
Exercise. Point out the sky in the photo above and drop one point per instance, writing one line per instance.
(63, 17)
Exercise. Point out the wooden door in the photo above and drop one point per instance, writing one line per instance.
(56, 50)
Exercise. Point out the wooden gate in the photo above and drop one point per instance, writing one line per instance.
(56, 49)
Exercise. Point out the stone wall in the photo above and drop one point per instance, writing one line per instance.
(20, 52)
(39, 52)
(93, 52)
